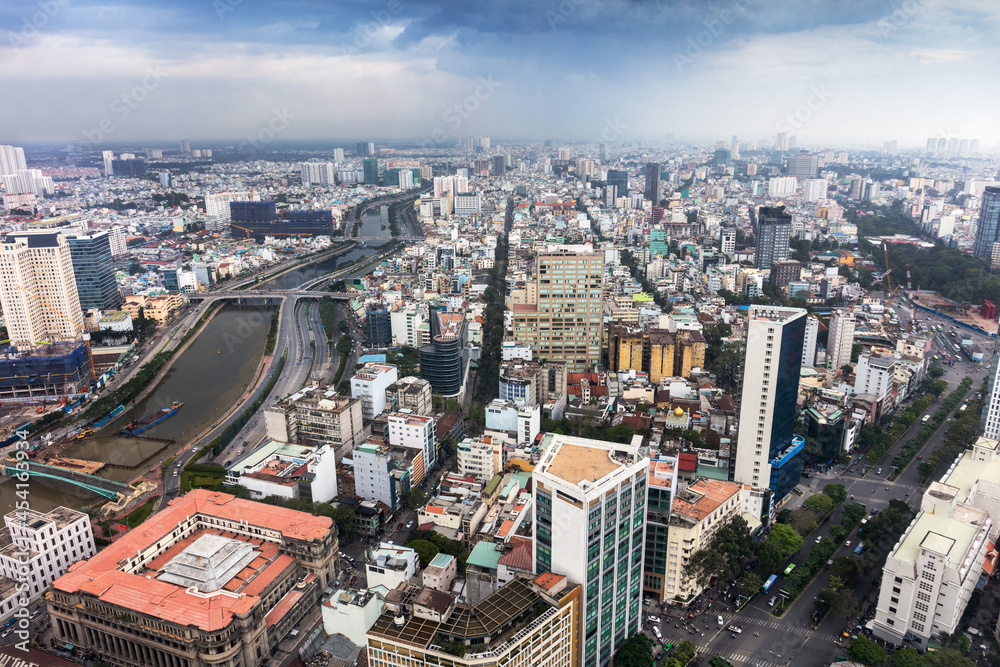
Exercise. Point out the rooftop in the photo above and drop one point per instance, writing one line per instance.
(939, 533)
(704, 497)
(578, 460)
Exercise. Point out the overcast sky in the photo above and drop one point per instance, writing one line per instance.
(845, 71)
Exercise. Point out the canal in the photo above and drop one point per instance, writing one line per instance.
(374, 222)
(209, 377)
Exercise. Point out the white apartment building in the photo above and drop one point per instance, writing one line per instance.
(841, 338)
(40, 548)
(728, 241)
(814, 189)
(405, 325)
(874, 374)
(407, 429)
(317, 173)
(809, 346)
(481, 458)
(369, 384)
(25, 181)
(38, 288)
(781, 186)
(931, 573)
(590, 508)
(468, 203)
(217, 205)
(117, 237)
(11, 160)
(990, 420)
(390, 565)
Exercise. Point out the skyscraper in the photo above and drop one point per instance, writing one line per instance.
(803, 165)
(498, 165)
(840, 339)
(809, 342)
(604, 152)
(723, 157)
(185, 145)
(561, 318)
(773, 233)
(370, 166)
(365, 148)
(990, 424)
(37, 267)
(988, 225)
(652, 191)
(94, 271)
(768, 453)
(619, 179)
(108, 157)
(11, 160)
(590, 510)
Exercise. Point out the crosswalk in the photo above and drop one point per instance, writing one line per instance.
(738, 659)
(779, 625)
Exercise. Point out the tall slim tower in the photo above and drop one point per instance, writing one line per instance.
(768, 453)
(370, 166)
(108, 157)
(990, 424)
(561, 319)
(988, 226)
(840, 339)
(38, 289)
(590, 513)
(652, 191)
(773, 233)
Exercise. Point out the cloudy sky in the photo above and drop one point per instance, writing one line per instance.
(850, 71)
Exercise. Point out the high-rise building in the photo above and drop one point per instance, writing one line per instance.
(369, 384)
(37, 267)
(781, 186)
(619, 179)
(809, 343)
(442, 361)
(768, 453)
(840, 339)
(498, 165)
(317, 173)
(590, 513)
(217, 205)
(773, 235)
(603, 152)
(11, 160)
(185, 145)
(659, 500)
(166, 179)
(814, 189)
(563, 154)
(782, 141)
(723, 157)
(28, 181)
(365, 148)
(652, 189)
(338, 154)
(94, 270)
(370, 166)
(108, 157)
(990, 424)
(931, 145)
(128, 167)
(727, 243)
(988, 225)
(560, 318)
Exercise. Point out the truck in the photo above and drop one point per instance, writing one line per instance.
(861, 547)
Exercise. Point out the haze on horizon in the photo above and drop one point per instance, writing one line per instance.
(854, 72)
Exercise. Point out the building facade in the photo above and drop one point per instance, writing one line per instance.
(840, 340)
(773, 233)
(94, 270)
(768, 453)
(988, 224)
(590, 500)
(317, 416)
(370, 385)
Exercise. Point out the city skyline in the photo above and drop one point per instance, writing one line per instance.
(433, 72)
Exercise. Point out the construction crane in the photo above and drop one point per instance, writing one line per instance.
(84, 332)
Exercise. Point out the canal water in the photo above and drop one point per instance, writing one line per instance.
(373, 223)
(209, 377)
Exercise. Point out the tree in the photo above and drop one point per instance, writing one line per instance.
(343, 516)
(907, 657)
(426, 550)
(820, 503)
(866, 651)
(785, 539)
(837, 493)
(706, 564)
(856, 352)
(749, 584)
(414, 498)
(847, 369)
(636, 651)
(718, 661)
(834, 597)
(935, 371)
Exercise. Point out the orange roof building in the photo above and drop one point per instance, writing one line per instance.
(210, 580)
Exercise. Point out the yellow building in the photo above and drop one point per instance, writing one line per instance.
(690, 350)
(159, 308)
(661, 355)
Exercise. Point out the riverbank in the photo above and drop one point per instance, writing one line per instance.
(306, 261)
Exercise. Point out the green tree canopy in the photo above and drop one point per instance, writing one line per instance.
(837, 493)
(636, 651)
(426, 550)
(907, 657)
(820, 503)
(866, 652)
(785, 539)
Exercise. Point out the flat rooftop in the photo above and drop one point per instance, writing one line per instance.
(939, 533)
(574, 463)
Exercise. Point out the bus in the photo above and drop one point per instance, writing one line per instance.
(861, 547)
(788, 570)
(767, 584)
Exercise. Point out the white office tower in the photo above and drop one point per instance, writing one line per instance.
(990, 424)
(338, 154)
(11, 160)
(933, 569)
(874, 374)
(108, 157)
(768, 451)
(809, 346)
(590, 505)
(781, 186)
(841, 338)
(36, 267)
(317, 173)
(217, 205)
(814, 189)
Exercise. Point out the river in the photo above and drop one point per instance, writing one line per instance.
(209, 377)
(373, 223)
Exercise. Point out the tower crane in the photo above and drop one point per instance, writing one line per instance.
(84, 332)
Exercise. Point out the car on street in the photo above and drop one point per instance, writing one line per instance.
(721, 622)
(774, 598)
(653, 619)
(409, 524)
(847, 543)
(819, 538)
(399, 526)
